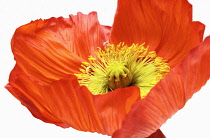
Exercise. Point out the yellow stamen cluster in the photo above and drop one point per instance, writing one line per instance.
(119, 66)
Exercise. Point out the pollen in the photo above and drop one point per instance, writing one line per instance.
(119, 66)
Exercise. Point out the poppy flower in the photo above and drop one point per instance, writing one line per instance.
(124, 81)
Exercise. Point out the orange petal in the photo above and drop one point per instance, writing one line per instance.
(66, 104)
(169, 95)
(22, 88)
(58, 103)
(47, 50)
(166, 26)
(87, 34)
(113, 107)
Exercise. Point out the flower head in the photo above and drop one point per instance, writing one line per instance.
(125, 80)
(120, 66)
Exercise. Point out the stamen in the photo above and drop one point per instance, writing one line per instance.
(119, 66)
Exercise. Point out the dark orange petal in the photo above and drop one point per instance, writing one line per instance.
(157, 134)
(165, 25)
(169, 95)
(114, 106)
(67, 104)
(47, 50)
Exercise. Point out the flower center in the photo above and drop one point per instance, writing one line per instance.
(119, 66)
(119, 75)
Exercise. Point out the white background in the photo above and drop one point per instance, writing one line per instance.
(16, 121)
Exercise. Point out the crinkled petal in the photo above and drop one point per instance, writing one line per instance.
(47, 50)
(165, 26)
(87, 34)
(62, 103)
(67, 104)
(23, 88)
(114, 106)
(169, 95)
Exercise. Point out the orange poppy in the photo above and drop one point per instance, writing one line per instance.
(123, 81)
